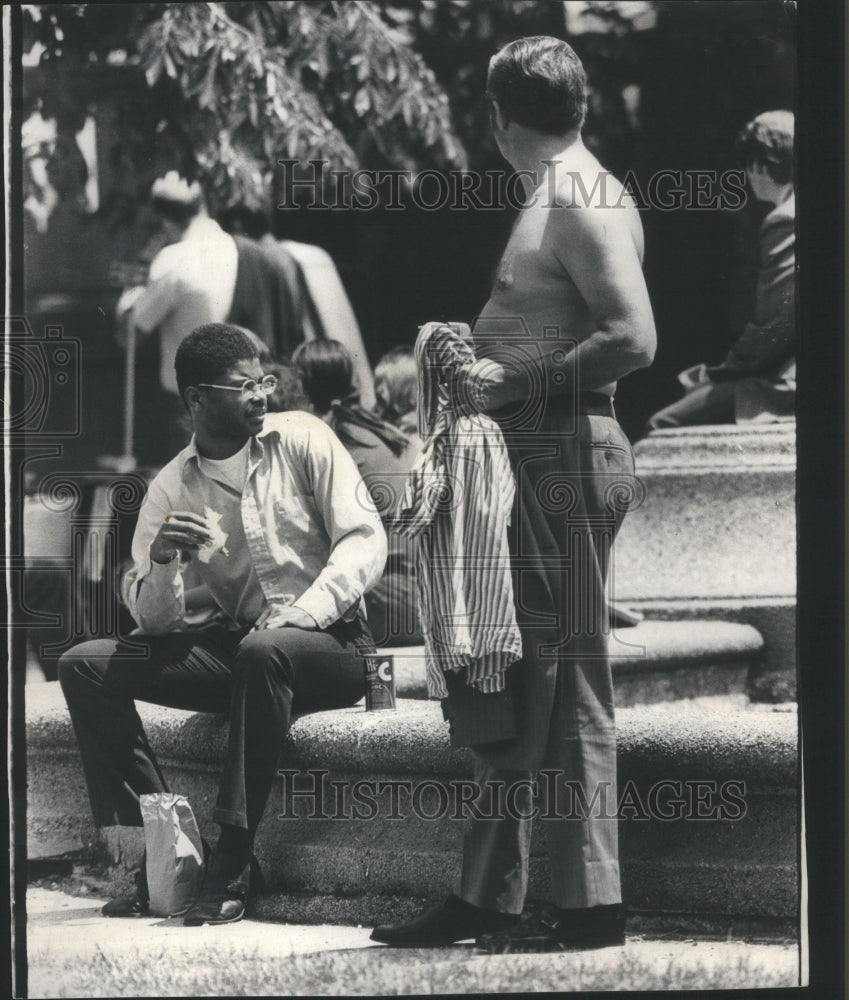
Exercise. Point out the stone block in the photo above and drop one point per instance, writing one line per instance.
(714, 536)
(775, 668)
(717, 518)
(653, 661)
(346, 865)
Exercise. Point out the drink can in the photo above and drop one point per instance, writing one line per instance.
(380, 682)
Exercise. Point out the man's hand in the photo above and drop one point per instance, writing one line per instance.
(181, 530)
(484, 385)
(128, 299)
(290, 616)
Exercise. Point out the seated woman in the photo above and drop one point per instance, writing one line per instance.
(383, 455)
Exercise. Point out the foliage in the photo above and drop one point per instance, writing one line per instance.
(457, 39)
(241, 85)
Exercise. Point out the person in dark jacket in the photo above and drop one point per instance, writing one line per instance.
(756, 382)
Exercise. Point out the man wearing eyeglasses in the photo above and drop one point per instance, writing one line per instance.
(272, 511)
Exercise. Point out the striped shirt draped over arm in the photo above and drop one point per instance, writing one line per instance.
(457, 505)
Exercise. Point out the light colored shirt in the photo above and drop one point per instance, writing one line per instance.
(190, 283)
(233, 470)
(333, 317)
(303, 532)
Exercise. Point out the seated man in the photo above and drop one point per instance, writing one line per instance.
(272, 512)
(757, 380)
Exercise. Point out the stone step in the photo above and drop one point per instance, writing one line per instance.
(715, 515)
(354, 868)
(713, 531)
(773, 673)
(653, 661)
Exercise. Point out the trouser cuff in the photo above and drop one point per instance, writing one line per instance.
(229, 817)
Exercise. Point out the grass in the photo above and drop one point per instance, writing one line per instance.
(242, 971)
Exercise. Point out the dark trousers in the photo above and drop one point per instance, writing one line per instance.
(574, 482)
(259, 678)
(712, 403)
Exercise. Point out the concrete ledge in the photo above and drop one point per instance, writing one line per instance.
(772, 674)
(653, 661)
(714, 446)
(346, 870)
(718, 518)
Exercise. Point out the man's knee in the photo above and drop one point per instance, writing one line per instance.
(78, 662)
(259, 655)
(68, 668)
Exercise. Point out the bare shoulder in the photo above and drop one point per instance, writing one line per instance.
(591, 206)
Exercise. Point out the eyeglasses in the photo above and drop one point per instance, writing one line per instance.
(248, 388)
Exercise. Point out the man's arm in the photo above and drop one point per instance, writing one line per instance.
(153, 588)
(149, 307)
(770, 339)
(597, 251)
(357, 537)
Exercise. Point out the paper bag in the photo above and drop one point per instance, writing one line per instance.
(174, 853)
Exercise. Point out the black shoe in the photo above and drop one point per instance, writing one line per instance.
(553, 929)
(452, 921)
(620, 617)
(136, 904)
(224, 900)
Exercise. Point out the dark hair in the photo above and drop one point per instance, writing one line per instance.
(289, 393)
(240, 219)
(327, 373)
(397, 371)
(539, 83)
(181, 212)
(207, 352)
(768, 142)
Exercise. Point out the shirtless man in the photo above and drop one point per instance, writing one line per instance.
(569, 316)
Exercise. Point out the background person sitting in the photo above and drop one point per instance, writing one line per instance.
(327, 374)
(757, 380)
(383, 455)
(289, 392)
(395, 389)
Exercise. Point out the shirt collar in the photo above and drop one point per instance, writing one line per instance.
(255, 454)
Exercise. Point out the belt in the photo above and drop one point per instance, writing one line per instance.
(596, 404)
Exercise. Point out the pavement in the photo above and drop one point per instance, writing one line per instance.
(73, 951)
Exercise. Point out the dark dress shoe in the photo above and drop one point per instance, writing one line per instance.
(135, 904)
(553, 929)
(621, 617)
(452, 921)
(223, 900)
